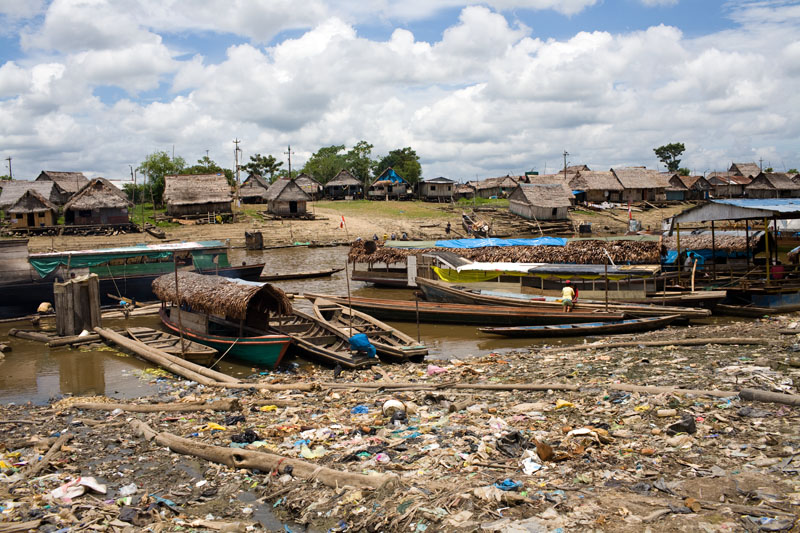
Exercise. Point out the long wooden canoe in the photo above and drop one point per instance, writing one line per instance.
(387, 340)
(269, 276)
(483, 315)
(438, 291)
(633, 325)
(191, 351)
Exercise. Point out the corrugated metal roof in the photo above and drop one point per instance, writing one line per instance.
(740, 209)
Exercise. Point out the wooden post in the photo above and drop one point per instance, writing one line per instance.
(714, 250)
(678, 242)
(747, 243)
(77, 305)
(766, 243)
(178, 303)
(606, 276)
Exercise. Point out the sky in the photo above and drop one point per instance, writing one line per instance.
(477, 89)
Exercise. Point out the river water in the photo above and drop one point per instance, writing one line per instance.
(36, 373)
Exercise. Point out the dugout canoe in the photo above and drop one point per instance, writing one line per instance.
(634, 325)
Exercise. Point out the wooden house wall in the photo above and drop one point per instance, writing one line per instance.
(733, 190)
(104, 215)
(643, 195)
(539, 213)
(284, 208)
(32, 220)
(436, 191)
(339, 192)
(598, 196)
(198, 209)
(394, 192)
(677, 196)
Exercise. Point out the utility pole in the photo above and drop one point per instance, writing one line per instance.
(761, 164)
(565, 164)
(10, 175)
(206, 153)
(289, 153)
(236, 163)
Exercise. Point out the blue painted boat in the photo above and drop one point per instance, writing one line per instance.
(589, 328)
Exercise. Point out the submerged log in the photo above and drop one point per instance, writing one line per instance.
(29, 335)
(266, 462)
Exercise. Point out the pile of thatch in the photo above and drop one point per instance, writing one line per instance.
(726, 241)
(577, 252)
(221, 296)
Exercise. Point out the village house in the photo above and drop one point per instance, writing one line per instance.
(437, 189)
(748, 170)
(285, 198)
(495, 187)
(99, 202)
(596, 186)
(310, 186)
(254, 190)
(540, 201)
(550, 179)
(344, 186)
(682, 188)
(31, 210)
(640, 184)
(464, 190)
(727, 184)
(772, 185)
(197, 194)
(14, 189)
(69, 182)
(389, 186)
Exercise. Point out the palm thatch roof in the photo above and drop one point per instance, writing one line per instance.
(750, 170)
(286, 190)
(71, 182)
(188, 189)
(98, 193)
(254, 186)
(14, 189)
(727, 178)
(308, 184)
(464, 188)
(772, 181)
(490, 183)
(639, 178)
(541, 195)
(217, 295)
(572, 169)
(31, 201)
(595, 180)
(343, 179)
(549, 179)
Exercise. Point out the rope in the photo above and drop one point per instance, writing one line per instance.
(112, 279)
(226, 353)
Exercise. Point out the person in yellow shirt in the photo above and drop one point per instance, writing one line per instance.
(567, 297)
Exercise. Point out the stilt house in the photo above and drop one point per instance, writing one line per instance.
(32, 210)
(99, 202)
(287, 199)
(197, 194)
(254, 190)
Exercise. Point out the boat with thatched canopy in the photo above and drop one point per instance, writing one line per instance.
(230, 315)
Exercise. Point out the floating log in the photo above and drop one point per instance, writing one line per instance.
(266, 462)
(219, 405)
(29, 335)
(73, 339)
(4, 348)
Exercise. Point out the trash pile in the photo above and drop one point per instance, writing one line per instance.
(450, 445)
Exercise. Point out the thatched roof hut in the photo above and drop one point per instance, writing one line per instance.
(344, 185)
(99, 202)
(254, 190)
(197, 194)
(14, 189)
(540, 201)
(310, 186)
(217, 295)
(71, 182)
(749, 170)
(286, 198)
(32, 210)
(772, 185)
(641, 184)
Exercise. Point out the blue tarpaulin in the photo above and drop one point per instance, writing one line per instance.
(391, 175)
(483, 243)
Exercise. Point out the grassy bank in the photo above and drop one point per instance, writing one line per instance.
(408, 210)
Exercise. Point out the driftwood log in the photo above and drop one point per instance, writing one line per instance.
(174, 364)
(673, 342)
(4, 348)
(219, 405)
(73, 339)
(266, 462)
(755, 395)
(29, 335)
(54, 450)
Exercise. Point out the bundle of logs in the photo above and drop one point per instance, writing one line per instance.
(578, 252)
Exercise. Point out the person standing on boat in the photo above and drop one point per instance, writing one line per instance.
(568, 297)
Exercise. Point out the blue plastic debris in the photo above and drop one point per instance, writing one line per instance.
(508, 485)
(360, 343)
(360, 410)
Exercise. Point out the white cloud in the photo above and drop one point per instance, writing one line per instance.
(17, 9)
(653, 3)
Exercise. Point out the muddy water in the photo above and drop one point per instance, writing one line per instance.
(33, 372)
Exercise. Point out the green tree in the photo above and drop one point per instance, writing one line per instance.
(326, 163)
(669, 153)
(683, 171)
(768, 169)
(262, 165)
(206, 165)
(155, 167)
(5, 177)
(359, 163)
(792, 171)
(404, 161)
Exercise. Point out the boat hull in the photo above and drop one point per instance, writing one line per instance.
(264, 350)
(636, 325)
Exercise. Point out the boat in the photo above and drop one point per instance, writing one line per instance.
(161, 340)
(155, 231)
(316, 339)
(229, 315)
(26, 280)
(266, 276)
(387, 340)
(438, 291)
(475, 226)
(483, 315)
(633, 325)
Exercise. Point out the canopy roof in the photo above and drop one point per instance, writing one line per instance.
(740, 209)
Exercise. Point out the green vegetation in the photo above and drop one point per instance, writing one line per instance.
(390, 209)
(669, 153)
(262, 165)
(149, 213)
(491, 202)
